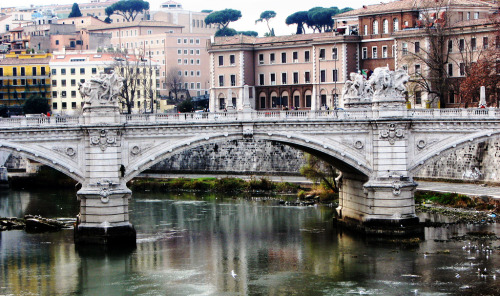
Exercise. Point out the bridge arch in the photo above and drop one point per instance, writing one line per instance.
(448, 146)
(343, 157)
(46, 157)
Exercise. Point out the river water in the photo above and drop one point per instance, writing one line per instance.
(191, 245)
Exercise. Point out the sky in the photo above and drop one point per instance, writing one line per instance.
(250, 9)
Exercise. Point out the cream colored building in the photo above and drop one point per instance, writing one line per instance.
(70, 69)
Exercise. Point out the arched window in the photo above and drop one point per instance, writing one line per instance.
(385, 26)
(395, 25)
(375, 27)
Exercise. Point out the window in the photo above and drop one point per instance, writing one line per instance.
(485, 42)
(365, 30)
(73, 93)
(273, 79)
(395, 25)
(94, 70)
(374, 52)
(283, 78)
(54, 82)
(63, 95)
(23, 81)
(334, 53)
(476, 15)
(335, 75)
(283, 57)
(364, 53)
(418, 98)
(221, 80)
(271, 58)
(450, 45)
(14, 71)
(306, 56)
(450, 70)
(462, 69)
(323, 76)
(54, 104)
(57, 42)
(221, 60)
(73, 82)
(233, 80)
(82, 70)
(307, 77)
(261, 59)
(385, 26)
(323, 100)
(73, 71)
(232, 60)
(308, 101)
(295, 56)
(295, 77)
(461, 45)
(375, 27)
(417, 47)
(384, 51)
(33, 71)
(261, 79)
(73, 105)
(262, 102)
(54, 71)
(451, 97)
(322, 54)
(43, 71)
(179, 61)
(417, 69)
(473, 43)
(63, 82)
(404, 48)
(468, 15)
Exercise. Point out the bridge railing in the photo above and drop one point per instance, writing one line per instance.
(271, 115)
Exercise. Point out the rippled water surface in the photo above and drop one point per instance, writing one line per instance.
(191, 245)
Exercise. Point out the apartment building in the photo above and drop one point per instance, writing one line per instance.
(23, 75)
(304, 71)
(308, 71)
(68, 69)
(409, 34)
(175, 50)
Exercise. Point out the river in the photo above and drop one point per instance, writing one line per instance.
(193, 245)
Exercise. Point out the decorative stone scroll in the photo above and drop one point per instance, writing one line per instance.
(392, 133)
(103, 89)
(104, 138)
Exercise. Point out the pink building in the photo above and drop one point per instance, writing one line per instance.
(287, 72)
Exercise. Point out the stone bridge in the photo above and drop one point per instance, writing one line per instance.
(376, 149)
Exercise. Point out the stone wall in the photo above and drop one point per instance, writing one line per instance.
(242, 156)
(475, 162)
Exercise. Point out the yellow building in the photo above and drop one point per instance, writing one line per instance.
(22, 76)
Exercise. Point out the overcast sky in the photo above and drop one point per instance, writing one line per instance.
(250, 9)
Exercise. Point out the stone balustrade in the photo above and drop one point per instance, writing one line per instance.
(292, 115)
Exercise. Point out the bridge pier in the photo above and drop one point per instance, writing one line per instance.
(383, 207)
(104, 217)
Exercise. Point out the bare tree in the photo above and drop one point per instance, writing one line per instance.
(175, 83)
(429, 54)
(139, 83)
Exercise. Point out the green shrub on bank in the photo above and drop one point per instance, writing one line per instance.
(224, 185)
(447, 199)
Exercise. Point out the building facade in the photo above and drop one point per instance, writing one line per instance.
(287, 72)
(69, 69)
(23, 76)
